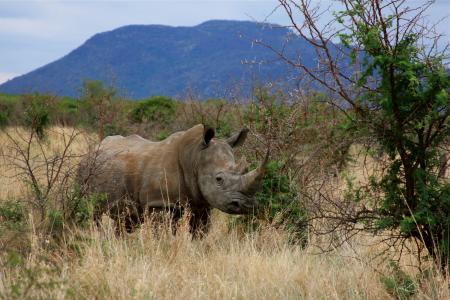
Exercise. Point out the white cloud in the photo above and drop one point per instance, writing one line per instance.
(27, 27)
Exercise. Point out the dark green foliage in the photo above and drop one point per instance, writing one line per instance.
(112, 129)
(280, 201)
(3, 117)
(95, 89)
(80, 208)
(8, 107)
(156, 109)
(223, 129)
(398, 284)
(101, 110)
(408, 112)
(68, 111)
(219, 116)
(56, 222)
(12, 215)
(5, 113)
(21, 109)
(37, 111)
(279, 205)
(163, 134)
(95, 101)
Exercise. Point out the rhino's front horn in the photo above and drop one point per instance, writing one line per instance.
(251, 181)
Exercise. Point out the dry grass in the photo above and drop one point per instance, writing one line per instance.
(223, 266)
(227, 264)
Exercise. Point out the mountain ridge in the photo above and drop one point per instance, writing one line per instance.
(145, 60)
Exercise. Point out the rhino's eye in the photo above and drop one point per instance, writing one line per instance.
(219, 180)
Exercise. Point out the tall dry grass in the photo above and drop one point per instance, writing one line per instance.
(228, 263)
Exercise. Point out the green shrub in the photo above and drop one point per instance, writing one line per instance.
(101, 109)
(4, 115)
(37, 112)
(279, 206)
(112, 129)
(56, 222)
(398, 283)
(223, 129)
(68, 111)
(12, 215)
(156, 109)
(162, 135)
(81, 208)
(280, 201)
(8, 109)
(3, 118)
(395, 98)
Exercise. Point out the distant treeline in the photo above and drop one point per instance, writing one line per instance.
(96, 104)
(100, 109)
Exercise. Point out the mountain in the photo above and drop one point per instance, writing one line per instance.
(144, 60)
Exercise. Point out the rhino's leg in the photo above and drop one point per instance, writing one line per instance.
(131, 214)
(175, 214)
(199, 222)
(131, 222)
(168, 217)
(126, 214)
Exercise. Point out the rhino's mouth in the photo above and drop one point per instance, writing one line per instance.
(235, 204)
(240, 204)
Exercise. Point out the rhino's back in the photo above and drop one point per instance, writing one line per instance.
(116, 143)
(137, 143)
(136, 167)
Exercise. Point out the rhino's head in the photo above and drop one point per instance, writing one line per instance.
(225, 184)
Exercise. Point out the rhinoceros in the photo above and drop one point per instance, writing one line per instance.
(188, 169)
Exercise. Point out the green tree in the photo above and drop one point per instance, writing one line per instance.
(156, 109)
(8, 107)
(103, 110)
(398, 99)
(37, 111)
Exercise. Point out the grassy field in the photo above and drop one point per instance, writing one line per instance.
(151, 263)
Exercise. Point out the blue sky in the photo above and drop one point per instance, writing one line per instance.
(36, 32)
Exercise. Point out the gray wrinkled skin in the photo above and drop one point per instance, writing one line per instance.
(189, 168)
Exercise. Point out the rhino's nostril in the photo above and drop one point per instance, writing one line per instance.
(234, 204)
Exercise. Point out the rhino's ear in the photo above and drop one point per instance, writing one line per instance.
(238, 139)
(208, 134)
